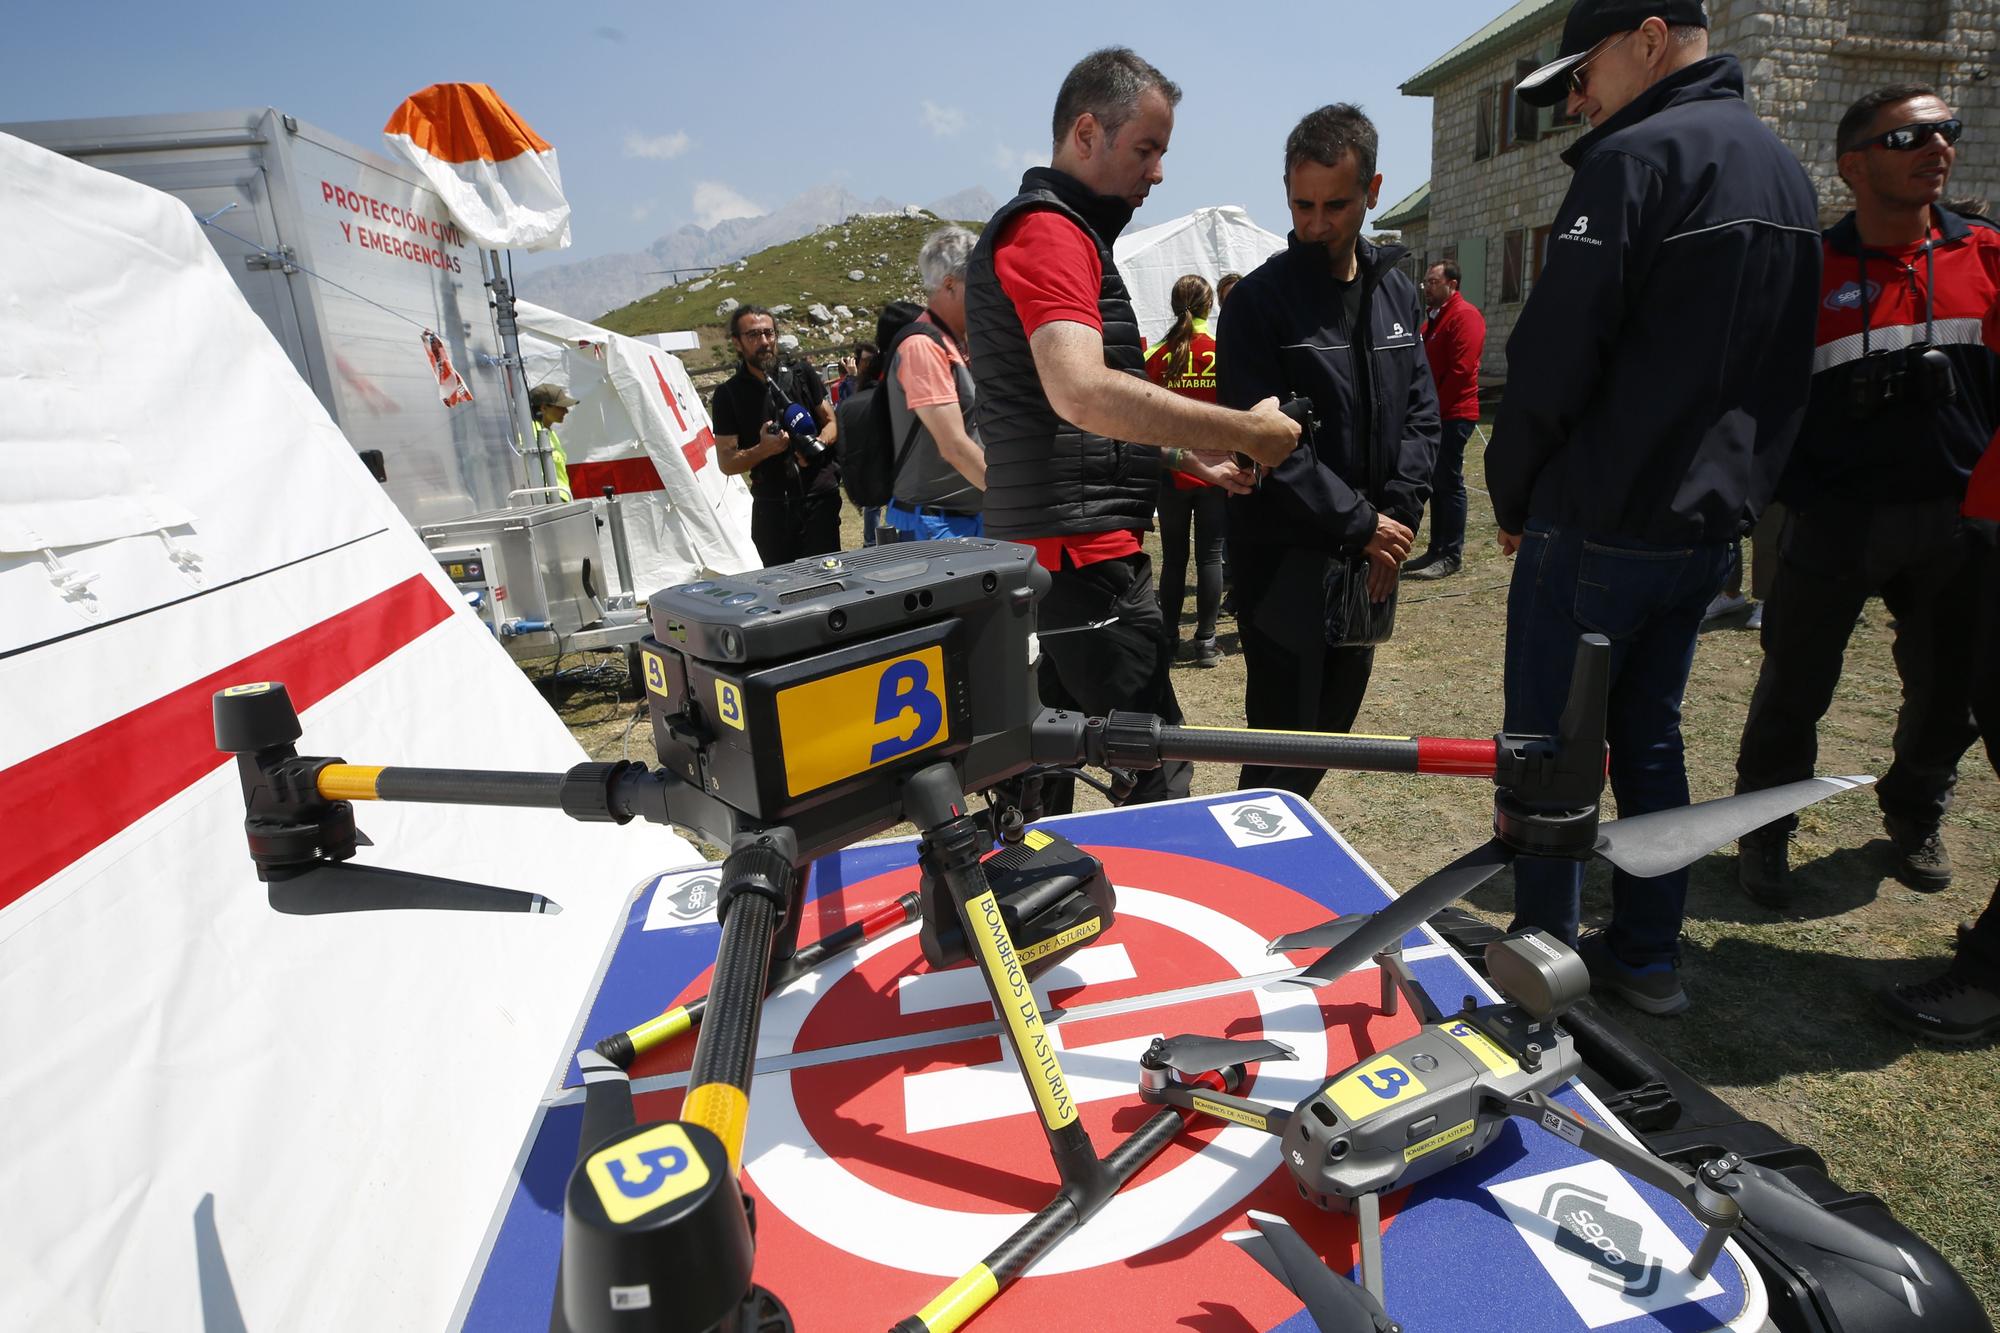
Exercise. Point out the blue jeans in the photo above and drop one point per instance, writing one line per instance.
(929, 525)
(1648, 600)
(1448, 491)
(871, 518)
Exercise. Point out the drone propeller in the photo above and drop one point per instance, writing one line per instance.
(1335, 1304)
(1323, 936)
(607, 1100)
(1427, 898)
(1190, 1055)
(336, 886)
(1644, 845)
(1665, 840)
(1775, 1204)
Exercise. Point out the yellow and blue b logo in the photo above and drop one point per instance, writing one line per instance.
(862, 718)
(649, 1170)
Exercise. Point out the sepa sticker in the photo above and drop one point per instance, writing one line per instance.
(1265, 819)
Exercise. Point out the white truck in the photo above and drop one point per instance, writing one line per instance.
(350, 259)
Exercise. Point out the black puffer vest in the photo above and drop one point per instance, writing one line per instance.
(1045, 477)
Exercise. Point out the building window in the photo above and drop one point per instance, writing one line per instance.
(1527, 119)
(1482, 147)
(1511, 251)
(1538, 255)
(1506, 113)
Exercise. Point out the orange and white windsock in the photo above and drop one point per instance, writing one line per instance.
(497, 176)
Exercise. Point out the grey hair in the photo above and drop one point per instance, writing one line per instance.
(1108, 84)
(944, 254)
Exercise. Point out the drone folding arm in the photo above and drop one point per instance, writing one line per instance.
(1717, 1212)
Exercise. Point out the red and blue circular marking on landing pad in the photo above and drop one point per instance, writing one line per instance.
(892, 1143)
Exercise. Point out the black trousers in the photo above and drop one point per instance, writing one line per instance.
(1979, 953)
(1925, 563)
(1208, 508)
(785, 528)
(1296, 682)
(1104, 647)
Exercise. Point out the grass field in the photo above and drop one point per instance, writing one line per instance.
(1784, 1024)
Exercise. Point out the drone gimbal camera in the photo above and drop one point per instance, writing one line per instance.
(798, 709)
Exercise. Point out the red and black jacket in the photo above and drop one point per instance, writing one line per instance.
(1874, 305)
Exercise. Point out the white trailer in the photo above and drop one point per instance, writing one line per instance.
(348, 258)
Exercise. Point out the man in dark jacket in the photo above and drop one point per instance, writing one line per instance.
(1648, 414)
(1904, 400)
(1333, 319)
(1068, 418)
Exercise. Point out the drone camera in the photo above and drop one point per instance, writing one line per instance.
(1053, 895)
(1537, 972)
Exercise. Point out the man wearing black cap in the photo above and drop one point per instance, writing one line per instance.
(1655, 382)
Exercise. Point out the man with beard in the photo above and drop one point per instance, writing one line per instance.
(794, 487)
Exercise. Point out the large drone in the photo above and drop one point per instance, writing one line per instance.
(798, 709)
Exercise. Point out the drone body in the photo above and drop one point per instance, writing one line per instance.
(1404, 1114)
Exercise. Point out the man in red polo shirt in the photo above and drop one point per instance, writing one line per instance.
(1075, 436)
(1454, 341)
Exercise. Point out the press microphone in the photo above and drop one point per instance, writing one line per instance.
(800, 425)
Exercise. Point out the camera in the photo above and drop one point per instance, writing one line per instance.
(1918, 376)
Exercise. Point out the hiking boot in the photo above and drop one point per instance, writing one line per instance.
(1432, 567)
(1207, 653)
(1655, 988)
(1755, 620)
(1922, 861)
(1949, 1007)
(1762, 871)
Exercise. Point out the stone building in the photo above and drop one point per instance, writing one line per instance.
(1496, 178)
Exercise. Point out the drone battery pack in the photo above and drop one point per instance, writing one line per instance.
(1054, 897)
(805, 693)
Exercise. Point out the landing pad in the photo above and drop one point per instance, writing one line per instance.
(892, 1143)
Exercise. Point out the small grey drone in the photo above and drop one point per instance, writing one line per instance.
(1437, 1098)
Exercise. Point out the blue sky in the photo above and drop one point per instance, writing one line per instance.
(664, 114)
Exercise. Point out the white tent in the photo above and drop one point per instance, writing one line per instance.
(639, 425)
(217, 1116)
(1209, 241)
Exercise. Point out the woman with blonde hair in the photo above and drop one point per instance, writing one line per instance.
(1184, 363)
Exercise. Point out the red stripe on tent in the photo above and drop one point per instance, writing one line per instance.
(696, 450)
(66, 800)
(629, 475)
(666, 392)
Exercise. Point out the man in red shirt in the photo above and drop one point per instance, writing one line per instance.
(1454, 341)
(1075, 436)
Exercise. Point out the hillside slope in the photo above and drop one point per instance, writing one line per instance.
(814, 270)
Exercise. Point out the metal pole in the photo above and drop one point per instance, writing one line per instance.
(514, 372)
(620, 552)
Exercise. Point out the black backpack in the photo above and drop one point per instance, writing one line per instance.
(870, 455)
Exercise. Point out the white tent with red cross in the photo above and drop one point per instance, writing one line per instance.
(639, 426)
(217, 1116)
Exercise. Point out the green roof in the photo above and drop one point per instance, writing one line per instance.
(1518, 21)
(1413, 207)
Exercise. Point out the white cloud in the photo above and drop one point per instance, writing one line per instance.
(1018, 159)
(715, 202)
(942, 121)
(660, 147)
(640, 212)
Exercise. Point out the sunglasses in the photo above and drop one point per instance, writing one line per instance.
(1907, 138)
(1578, 78)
